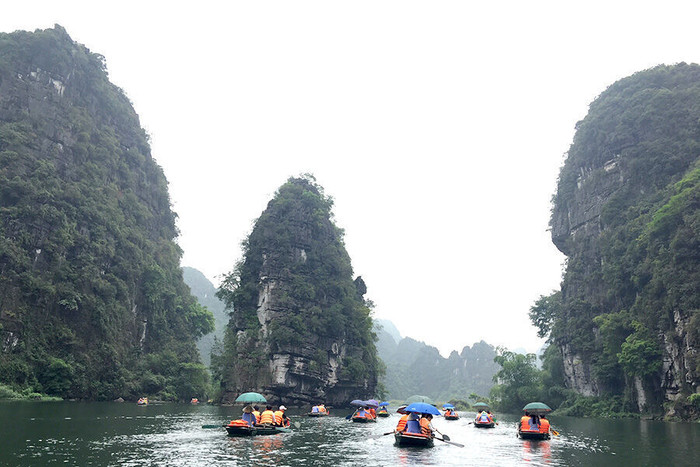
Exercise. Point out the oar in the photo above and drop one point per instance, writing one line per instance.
(445, 440)
(383, 434)
(555, 432)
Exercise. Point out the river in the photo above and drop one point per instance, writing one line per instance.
(114, 434)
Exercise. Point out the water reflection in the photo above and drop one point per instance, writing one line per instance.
(537, 451)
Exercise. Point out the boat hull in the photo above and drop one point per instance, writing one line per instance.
(484, 425)
(413, 439)
(451, 417)
(364, 420)
(533, 435)
(317, 414)
(382, 414)
(252, 431)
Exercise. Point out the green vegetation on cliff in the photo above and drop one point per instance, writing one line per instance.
(628, 308)
(293, 296)
(92, 300)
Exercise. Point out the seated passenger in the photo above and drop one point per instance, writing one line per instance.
(412, 424)
(425, 427)
(401, 426)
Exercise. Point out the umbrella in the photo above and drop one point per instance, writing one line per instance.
(422, 407)
(358, 402)
(448, 406)
(481, 405)
(537, 408)
(402, 410)
(418, 398)
(251, 398)
(382, 404)
(372, 403)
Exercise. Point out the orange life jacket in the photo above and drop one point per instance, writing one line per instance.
(544, 425)
(402, 423)
(257, 416)
(279, 418)
(528, 424)
(267, 418)
(373, 413)
(425, 426)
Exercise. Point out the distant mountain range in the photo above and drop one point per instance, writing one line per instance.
(204, 290)
(413, 367)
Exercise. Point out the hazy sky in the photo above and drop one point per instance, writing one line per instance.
(438, 127)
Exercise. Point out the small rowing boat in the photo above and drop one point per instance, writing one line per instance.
(413, 439)
(245, 430)
(357, 419)
(533, 435)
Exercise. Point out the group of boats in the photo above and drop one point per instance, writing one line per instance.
(414, 429)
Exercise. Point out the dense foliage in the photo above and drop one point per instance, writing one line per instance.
(92, 300)
(296, 260)
(632, 288)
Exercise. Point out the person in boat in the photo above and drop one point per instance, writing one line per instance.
(412, 424)
(426, 426)
(491, 416)
(529, 423)
(362, 412)
(267, 417)
(371, 411)
(248, 416)
(401, 426)
(544, 424)
(280, 417)
(484, 418)
(449, 413)
(322, 408)
(315, 409)
(256, 412)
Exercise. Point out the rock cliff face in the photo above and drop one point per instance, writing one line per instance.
(90, 285)
(625, 214)
(300, 331)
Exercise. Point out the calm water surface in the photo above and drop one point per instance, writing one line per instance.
(113, 434)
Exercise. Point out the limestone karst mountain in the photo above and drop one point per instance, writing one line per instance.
(92, 300)
(301, 330)
(627, 215)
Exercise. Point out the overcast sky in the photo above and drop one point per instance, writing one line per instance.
(438, 127)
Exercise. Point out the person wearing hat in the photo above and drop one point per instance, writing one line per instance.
(280, 418)
(248, 415)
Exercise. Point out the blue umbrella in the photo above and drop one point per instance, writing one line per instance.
(448, 406)
(358, 402)
(382, 404)
(422, 407)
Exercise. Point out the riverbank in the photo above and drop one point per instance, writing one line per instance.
(7, 393)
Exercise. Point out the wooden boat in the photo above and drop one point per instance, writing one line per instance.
(413, 439)
(383, 414)
(244, 430)
(533, 435)
(364, 420)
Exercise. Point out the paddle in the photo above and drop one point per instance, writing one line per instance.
(555, 432)
(449, 442)
(383, 434)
